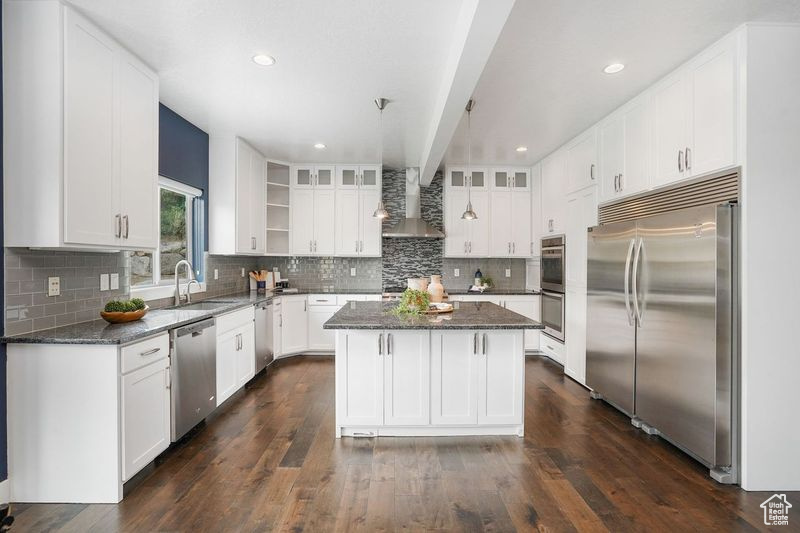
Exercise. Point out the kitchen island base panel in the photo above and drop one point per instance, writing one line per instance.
(428, 431)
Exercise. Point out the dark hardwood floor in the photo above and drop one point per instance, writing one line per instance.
(269, 461)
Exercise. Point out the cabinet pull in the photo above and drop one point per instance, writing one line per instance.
(356, 245)
(686, 160)
(127, 225)
(470, 246)
(620, 182)
(680, 160)
(149, 352)
(591, 172)
(475, 343)
(465, 246)
(310, 246)
(509, 247)
(315, 246)
(513, 247)
(305, 305)
(380, 344)
(118, 222)
(167, 378)
(485, 342)
(253, 243)
(616, 187)
(389, 344)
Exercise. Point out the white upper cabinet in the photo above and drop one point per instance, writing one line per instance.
(87, 127)
(510, 179)
(313, 176)
(357, 232)
(581, 165)
(510, 224)
(554, 192)
(313, 222)
(536, 209)
(624, 140)
(695, 115)
(466, 238)
(238, 199)
(358, 177)
(581, 214)
(463, 177)
(612, 155)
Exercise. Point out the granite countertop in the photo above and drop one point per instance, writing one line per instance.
(492, 292)
(156, 321)
(466, 315)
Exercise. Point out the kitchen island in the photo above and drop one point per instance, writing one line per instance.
(460, 373)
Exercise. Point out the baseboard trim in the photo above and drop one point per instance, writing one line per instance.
(5, 491)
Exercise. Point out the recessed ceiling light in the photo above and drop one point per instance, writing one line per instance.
(320, 146)
(522, 148)
(613, 68)
(263, 60)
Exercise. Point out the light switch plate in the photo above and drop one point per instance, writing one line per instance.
(54, 286)
(103, 282)
(242, 272)
(114, 281)
(216, 273)
(508, 272)
(353, 271)
(456, 272)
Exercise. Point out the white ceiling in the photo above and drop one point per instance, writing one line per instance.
(333, 59)
(543, 83)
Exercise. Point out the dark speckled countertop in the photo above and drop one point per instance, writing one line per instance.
(466, 315)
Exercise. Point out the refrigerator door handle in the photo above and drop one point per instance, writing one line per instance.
(635, 287)
(628, 282)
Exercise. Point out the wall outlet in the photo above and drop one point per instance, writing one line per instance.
(243, 272)
(53, 286)
(114, 281)
(508, 272)
(103, 282)
(456, 272)
(353, 271)
(216, 273)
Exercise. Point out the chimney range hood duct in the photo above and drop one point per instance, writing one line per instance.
(413, 226)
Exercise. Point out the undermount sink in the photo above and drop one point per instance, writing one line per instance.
(201, 306)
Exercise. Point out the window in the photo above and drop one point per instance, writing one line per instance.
(176, 237)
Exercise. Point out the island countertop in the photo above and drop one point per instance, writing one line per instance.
(466, 315)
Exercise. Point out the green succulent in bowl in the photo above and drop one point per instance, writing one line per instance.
(124, 306)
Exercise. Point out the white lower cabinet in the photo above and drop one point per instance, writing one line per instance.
(294, 319)
(320, 339)
(422, 382)
(235, 352)
(575, 349)
(145, 415)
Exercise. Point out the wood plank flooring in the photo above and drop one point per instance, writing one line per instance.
(268, 461)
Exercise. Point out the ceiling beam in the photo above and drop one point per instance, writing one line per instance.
(476, 31)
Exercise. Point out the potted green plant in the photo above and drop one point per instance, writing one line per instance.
(121, 311)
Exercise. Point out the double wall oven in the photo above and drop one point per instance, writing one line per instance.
(552, 282)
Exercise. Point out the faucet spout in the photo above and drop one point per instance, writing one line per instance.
(189, 277)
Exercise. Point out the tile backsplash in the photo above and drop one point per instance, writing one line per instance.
(321, 273)
(27, 306)
(493, 268)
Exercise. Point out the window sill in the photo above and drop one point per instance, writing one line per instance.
(156, 292)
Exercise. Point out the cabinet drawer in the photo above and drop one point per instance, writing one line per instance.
(235, 319)
(342, 299)
(144, 352)
(552, 349)
(322, 299)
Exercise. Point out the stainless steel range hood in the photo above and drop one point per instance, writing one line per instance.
(413, 226)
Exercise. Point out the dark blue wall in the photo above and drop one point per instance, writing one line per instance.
(3, 434)
(183, 153)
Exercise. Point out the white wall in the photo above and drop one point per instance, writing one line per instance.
(771, 261)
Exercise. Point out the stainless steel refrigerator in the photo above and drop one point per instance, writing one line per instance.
(660, 328)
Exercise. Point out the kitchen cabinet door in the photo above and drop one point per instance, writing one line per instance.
(137, 116)
(536, 209)
(712, 86)
(500, 377)
(501, 179)
(320, 339)
(227, 355)
(502, 223)
(90, 203)
(347, 176)
(581, 214)
(324, 177)
(145, 416)
(527, 306)
(324, 222)
(257, 206)
(454, 377)
(246, 355)
(521, 224)
(302, 222)
(575, 318)
(359, 378)
(581, 165)
(669, 129)
(456, 230)
(406, 370)
(294, 334)
(371, 227)
(244, 237)
(553, 194)
(348, 218)
(635, 172)
(479, 228)
(612, 156)
(302, 176)
(370, 177)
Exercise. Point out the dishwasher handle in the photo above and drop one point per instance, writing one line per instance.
(196, 328)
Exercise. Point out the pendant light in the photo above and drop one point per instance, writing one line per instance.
(469, 213)
(381, 211)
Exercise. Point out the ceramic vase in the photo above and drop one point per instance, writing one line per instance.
(436, 289)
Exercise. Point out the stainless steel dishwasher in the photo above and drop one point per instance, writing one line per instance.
(193, 375)
(265, 352)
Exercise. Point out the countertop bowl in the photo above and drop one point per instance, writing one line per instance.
(123, 317)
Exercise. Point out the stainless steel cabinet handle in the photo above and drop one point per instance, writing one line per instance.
(389, 344)
(380, 344)
(465, 246)
(305, 305)
(591, 172)
(310, 246)
(485, 343)
(470, 246)
(616, 187)
(686, 160)
(356, 245)
(475, 343)
(621, 187)
(680, 160)
(635, 289)
(509, 247)
(513, 247)
(167, 378)
(150, 352)
(126, 223)
(253, 242)
(315, 246)
(118, 222)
